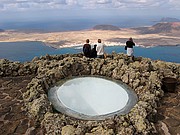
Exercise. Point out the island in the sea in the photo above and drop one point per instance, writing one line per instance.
(162, 33)
(26, 109)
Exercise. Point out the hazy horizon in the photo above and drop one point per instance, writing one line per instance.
(78, 23)
(47, 14)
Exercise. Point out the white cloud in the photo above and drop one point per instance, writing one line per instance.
(175, 4)
(33, 4)
(140, 3)
(61, 4)
(104, 1)
(71, 2)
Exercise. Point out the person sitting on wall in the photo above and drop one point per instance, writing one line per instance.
(87, 49)
(94, 52)
(100, 49)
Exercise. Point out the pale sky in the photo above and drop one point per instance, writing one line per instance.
(44, 9)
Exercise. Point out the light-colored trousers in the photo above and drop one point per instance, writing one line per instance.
(130, 51)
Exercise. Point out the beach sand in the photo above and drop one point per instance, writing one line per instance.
(77, 38)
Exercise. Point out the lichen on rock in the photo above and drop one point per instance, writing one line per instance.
(143, 75)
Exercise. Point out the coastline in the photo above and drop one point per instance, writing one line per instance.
(77, 38)
(106, 44)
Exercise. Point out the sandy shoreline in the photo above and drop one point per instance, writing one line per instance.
(77, 38)
(106, 44)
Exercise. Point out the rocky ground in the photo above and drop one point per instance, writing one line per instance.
(168, 117)
(14, 120)
(25, 109)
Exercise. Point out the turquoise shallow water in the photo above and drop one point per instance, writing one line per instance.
(26, 51)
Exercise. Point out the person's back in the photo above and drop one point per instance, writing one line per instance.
(130, 44)
(94, 52)
(129, 47)
(100, 49)
(87, 49)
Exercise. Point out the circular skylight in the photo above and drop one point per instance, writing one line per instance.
(92, 98)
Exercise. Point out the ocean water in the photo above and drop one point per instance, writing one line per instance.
(26, 51)
(70, 24)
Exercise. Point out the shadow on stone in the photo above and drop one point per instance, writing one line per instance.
(169, 84)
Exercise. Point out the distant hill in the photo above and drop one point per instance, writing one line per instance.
(167, 27)
(105, 27)
(1, 30)
(169, 19)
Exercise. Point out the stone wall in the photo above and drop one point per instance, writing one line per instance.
(12, 69)
(142, 75)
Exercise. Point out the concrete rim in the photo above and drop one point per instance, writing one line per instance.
(58, 105)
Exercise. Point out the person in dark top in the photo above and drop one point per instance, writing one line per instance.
(87, 49)
(94, 52)
(129, 47)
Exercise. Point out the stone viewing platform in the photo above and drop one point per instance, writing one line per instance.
(25, 108)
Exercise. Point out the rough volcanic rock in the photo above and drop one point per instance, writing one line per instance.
(142, 75)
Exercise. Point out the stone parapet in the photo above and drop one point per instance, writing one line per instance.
(143, 75)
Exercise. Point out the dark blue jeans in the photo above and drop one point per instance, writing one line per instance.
(100, 56)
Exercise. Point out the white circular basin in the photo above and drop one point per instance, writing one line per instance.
(91, 97)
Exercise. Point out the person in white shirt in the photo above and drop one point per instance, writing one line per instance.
(100, 49)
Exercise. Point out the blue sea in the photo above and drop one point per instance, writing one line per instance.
(67, 24)
(26, 51)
